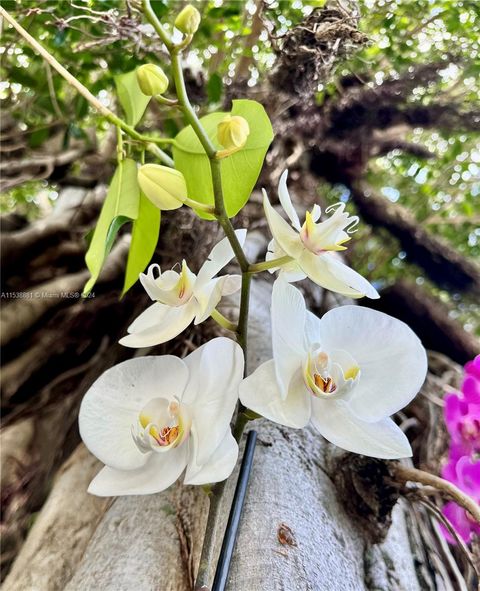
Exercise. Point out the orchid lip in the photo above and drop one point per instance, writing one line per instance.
(329, 235)
(162, 425)
(330, 376)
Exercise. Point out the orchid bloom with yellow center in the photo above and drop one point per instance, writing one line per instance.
(312, 246)
(182, 297)
(346, 373)
(149, 419)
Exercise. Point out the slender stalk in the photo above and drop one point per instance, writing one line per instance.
(109, 115)
(222, 216)
(200, 206)
(152, 17)
(187, 108)
(242, 327)
(406, 474)
(223, 321)
(208, 555)
(271, 264)
(119, 145)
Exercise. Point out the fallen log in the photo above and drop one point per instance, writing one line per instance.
(63, 528)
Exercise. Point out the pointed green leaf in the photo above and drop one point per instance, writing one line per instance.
(120, 205)
(115, 225)
(132, 99)
(240, 171)
(144, 240)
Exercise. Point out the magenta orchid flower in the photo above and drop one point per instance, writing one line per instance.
(462, 417)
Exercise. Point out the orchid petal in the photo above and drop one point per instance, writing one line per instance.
(316, 213)
(112, 404)
(148, 281)
(213, 393)
(163, 328)
(212, 293)
(285, 200)
(392, 360)
(288, 326)
(160, 472)
(336, 422)
(151, 316)
(321, 272)
(312, 330)
(221, 254)
(290, 271)
(259, 392)
(218, 467)
(287, 238)
(231, 284)
(350, 277)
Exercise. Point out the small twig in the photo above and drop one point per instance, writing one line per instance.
(53, 96)
(435, 511)
(406, 474)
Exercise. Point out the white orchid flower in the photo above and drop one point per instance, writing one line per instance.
(182, 297)
(347, 373)
(312, 246)
(150, 418)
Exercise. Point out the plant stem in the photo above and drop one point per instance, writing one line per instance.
(200, 206)
(242, 327)
(152, 17)
(271, 264)
(109, 115)
(406, 474)
(223, 218)
(208, 547)
(223, 321)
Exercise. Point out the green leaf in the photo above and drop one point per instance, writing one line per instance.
(214, 88)
(38, 136)
(132, 99)
(144, 240)
(240, 171)
(160, 7)
(115, 225)
(121, 205)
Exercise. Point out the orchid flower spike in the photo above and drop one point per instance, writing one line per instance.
(150, 418)
(347, 373)
(182, 297)
(312, 246)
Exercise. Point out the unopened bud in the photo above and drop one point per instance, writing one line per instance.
(232, 133)
(164, 186)
(152, 79)
(188, 20)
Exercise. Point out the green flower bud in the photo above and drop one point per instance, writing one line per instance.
(164, 186)
(232, 133)
(188, 20)
(152, 79)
